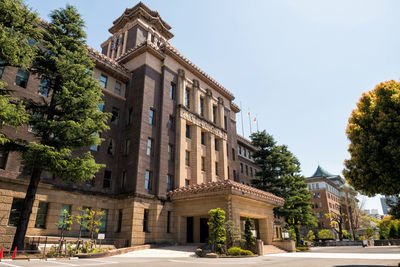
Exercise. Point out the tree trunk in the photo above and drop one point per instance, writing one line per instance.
(26, 211)
(298, 237)
(340, 232)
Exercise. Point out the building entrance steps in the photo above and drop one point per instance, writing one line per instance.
(271, 249)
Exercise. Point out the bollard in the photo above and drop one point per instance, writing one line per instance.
(14, 253)
(1, 253)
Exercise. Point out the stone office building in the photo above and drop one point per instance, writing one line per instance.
(170, 153)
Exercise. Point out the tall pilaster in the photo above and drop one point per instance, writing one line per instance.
(210, 158)
(209, 105)
(223, 160)
(125, 41)
(220, 116)
(195, 96)
(180, 144)
(109, 49)
(119, 46)
(180, 87)
(196, 155)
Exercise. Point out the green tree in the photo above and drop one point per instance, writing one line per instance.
(393, 231)
(248, 234)
(280, 175)
(325, 234)
(68, 119)
(65, 223)
(374, 134)
(19, 33)
(337, 219)
(310, 236)
(217, 230)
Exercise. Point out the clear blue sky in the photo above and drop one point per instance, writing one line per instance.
(300, 65)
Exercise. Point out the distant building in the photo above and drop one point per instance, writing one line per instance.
(328, 197)
(367, 212)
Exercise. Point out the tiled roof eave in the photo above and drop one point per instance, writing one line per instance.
(224, 188)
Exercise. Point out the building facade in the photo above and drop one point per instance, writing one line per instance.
(170, 154)
(328, 196)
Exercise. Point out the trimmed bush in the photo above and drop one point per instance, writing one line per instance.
(246, 252)
(302, 248)
(234, 251)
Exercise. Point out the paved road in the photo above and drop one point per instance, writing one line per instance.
(316, 258)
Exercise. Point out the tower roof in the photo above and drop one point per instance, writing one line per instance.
(142, 11)
(321, 172)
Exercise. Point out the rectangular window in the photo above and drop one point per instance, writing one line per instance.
(152, 116)
(146, 220)
(187, 158)
(216, 168)
(117, 88)
(103, 221)
(168, 222)
(171, 123)
(64, 212)
(127, 147)
(247, 170)
(320, 204)
(201, 106)
(241, 167)
(187, 98)
(172, 90)
(22, 78)
(149, 149)
(107, 179)
(203, 138)
(119, 224)
(187, 182)
(216, 144)
(130, 117)
(103, 81)
(15, 211)
(240, 150)
(41, 215)
(115, 115)
(169, 182)
(111, 147)
(214, 110)
(148, 180)
(187, 131)
(123, 180)
(251, 172)
(203, 163)
(43, 88)
(3, 159)
(233, 154)
(170, 152)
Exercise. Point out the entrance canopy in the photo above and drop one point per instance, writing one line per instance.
(192, 203)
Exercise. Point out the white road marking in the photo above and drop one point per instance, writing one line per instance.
(8, 264)
(62, 263)
(362, 256)
(214, 262)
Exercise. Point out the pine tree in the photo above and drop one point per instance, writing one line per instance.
(248, 234)
(217, 230)
(19, 34)
(68, 119)
(280, 175)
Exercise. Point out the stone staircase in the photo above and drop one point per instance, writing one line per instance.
(271, 249)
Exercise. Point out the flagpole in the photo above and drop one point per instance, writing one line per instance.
(256, 122)
(241, 115)
(250, 124)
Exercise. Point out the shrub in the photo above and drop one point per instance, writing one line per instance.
(217, 230)
(325, 234)
(246, 252)
(248, 234)
(393, 231)
(234, 251)
(302, 248)
(310, 236)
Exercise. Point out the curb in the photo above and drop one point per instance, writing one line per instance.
(114, 252)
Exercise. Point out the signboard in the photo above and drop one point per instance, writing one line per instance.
(101, 236)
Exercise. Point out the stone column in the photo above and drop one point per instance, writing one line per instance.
(195, 97)
(181, 229)
(180, 87)
(180, 148)
(195, 155)
(209, 105)
(119, 46)
(125, 41)
(148, 37)
(223, 159)
(109, 49)
(210, 158)
(220, 113)
(265, 228)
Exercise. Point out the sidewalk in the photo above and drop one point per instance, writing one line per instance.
(165, 252)
(361, 256)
